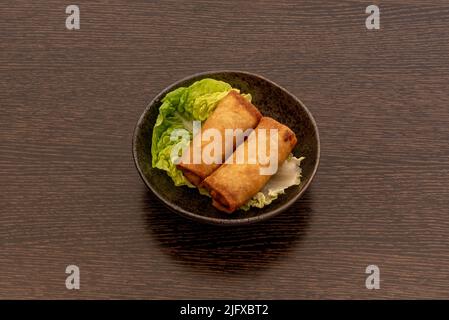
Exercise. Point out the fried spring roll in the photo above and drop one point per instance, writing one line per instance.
(232, 112)
(233, 184)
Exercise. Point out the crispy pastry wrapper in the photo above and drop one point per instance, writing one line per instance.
(233, 184)
(232, 112)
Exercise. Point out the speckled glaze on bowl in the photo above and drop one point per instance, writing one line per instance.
(272, 100)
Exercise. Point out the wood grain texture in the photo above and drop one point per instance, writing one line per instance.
(69, 192)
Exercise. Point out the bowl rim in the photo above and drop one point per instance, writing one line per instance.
(223, 221)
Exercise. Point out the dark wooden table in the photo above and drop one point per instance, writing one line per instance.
(70, 194)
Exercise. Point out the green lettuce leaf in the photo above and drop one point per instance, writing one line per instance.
(289, 174)
(179, 108)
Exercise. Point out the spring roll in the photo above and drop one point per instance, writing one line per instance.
(234, 183)
(232, 112)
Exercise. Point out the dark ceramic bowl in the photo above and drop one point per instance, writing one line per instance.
(272, 100)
